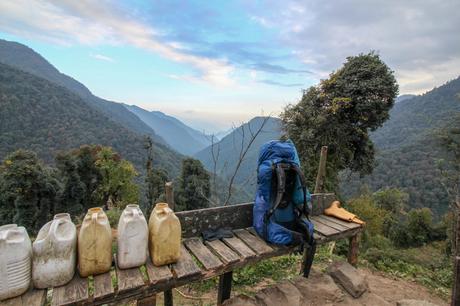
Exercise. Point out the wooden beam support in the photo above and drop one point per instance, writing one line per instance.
(169, 194)
(225, 287)
(353, 249)
(321, 176)
(168, 298)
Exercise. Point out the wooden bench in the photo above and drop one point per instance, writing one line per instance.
(199, 260)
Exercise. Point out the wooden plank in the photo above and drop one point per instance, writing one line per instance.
(185, 267)
(224, 252)
(75, 291)
(148, 301)
(103, 285)
(324, 229)
(334, 225)
(16, 301)
(129, 279)
(349, 225)
(254, 242)
(239, 247)
(158, 274)
(194, 222)
(203, 254)
(237, 216)
(34, 297)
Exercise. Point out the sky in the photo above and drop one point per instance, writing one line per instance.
(214, 64)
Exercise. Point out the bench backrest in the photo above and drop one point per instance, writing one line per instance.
(194, 222)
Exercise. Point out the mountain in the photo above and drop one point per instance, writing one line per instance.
(24, 58)
(408, 147)
(39, 115)
(179, 136)
(404, 97)
(227, 151)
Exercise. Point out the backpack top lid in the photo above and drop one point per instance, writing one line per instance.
(279, 151)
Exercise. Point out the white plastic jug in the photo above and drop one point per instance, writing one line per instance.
(133, 237)
(54, 253)
(15, 261)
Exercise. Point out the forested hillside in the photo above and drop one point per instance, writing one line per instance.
(26, 59)
(178, 135)
(38, 115)
(227, 151)
(409, 148)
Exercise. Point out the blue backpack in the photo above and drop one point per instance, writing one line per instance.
(281, 208)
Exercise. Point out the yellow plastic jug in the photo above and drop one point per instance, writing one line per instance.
(54, 253)
(94, 243)
(15, 261)
(133, 238)
(164, 235)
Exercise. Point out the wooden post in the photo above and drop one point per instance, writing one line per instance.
(353, 248)
(169, 194)
(225, 287)
(321, 176)
(456, 254)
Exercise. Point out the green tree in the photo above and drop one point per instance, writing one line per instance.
(392, 200)
(72, 195)
(194, 186)
(155, 179)
(340, 112)
(117, 179)
(420, 225)
(28, 190)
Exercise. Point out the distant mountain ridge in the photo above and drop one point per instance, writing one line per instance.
(408, 148)
(38, 115)
(227, 151)
(178, 135)
(24, 59)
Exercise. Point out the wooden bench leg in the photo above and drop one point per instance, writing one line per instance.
(169, 298)
(225, 287)
(353, 248)
(148, 301)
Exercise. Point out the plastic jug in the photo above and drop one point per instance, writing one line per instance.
(54, 253)
(165, 235)
(15, 261)
(94, 243)
(133, 237)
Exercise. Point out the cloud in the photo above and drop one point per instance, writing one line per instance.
(100, 22)
(102, 58)
(270, 82)
(276, 68)
(417, 39)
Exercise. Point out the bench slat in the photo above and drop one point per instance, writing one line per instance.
(158, 274)
(324, 229)
(349, 225)
(240, 247)
(103, 285)
(203, 254)
(334, 225)
(224, 252)
(129, 279)
(185, 267)
(75, 291)
(254, 242)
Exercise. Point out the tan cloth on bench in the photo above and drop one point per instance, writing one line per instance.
(338, 212)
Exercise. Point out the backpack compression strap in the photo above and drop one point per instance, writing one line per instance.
(280, 170)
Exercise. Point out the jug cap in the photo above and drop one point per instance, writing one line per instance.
(62, 216)
(161, 205)
(8, 227)
(132, 206)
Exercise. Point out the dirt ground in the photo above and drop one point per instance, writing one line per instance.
(321, 290)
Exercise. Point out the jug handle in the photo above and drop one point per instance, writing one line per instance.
(53, 228)
(94, 217)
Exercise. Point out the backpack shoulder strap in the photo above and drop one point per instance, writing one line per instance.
(304, 188)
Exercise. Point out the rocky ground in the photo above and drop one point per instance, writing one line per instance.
(342, 285)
